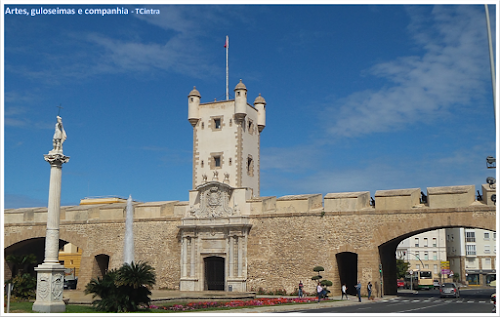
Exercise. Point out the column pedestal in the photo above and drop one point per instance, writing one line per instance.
(49, 290)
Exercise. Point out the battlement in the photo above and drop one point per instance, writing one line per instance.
(385, 200)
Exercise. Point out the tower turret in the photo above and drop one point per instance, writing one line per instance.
(240, 100)
(193, 106)
(260, 105)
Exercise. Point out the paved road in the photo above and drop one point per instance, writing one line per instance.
(470, 301)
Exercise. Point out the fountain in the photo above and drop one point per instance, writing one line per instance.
(128, 249)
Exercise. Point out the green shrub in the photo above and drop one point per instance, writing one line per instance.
(24, 286)
(123, 289)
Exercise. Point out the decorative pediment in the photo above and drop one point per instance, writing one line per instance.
(214, 201)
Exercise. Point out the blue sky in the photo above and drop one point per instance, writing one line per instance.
(359, 97)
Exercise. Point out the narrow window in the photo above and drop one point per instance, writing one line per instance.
(202, 163)
(217, 123)
(217, 161)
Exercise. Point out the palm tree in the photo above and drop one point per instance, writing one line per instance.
(20, 263)
(123, 290)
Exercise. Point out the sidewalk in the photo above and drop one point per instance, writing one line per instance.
(165, 296)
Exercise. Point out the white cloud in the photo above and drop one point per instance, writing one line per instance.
(449, 74)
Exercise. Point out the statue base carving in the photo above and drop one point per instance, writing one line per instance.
(49, 288)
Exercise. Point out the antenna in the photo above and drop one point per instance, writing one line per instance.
(227, 67)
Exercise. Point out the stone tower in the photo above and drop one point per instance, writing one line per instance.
(226, 139)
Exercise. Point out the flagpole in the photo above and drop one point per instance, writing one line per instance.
(492, 63)
(227, 67)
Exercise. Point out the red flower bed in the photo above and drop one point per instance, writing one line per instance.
(234, 303)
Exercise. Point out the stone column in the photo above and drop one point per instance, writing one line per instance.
(184, 257)
(193, 254)
(50, 274)
(231, 256)
(240, 257)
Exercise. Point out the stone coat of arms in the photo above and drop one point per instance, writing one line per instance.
(214, 201)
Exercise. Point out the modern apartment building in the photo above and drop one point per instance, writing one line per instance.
(424, 251)
(472, 254)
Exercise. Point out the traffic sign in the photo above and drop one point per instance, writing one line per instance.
(411, 272)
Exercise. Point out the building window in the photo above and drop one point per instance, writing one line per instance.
(487, 249)
(426, 256)
(487, 264)
(470, 236)
(434, 255)
(417, 255)
(215, 161)
(451, 237)
(427, 266)
(417, 266)
(494, 235)
(250, 127)
(230, 161)
(217, 123)
(250, 165)
(416, 242)
(470, 249)
(486, 236)
(203, 125)
(202, 163)
(435, 268)
(434, 242)
(426, 242)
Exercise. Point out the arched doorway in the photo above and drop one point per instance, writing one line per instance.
(214, 273)
(101, 263)
(348, 270)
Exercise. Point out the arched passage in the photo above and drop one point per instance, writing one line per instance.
(101, 265)
(34, 246)
(347, 263)
(214, 273)
(387, 253)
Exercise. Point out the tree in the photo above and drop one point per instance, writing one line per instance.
(24, 283)
(20, 263)
(123, 289)
(401, 268)
(323, 283)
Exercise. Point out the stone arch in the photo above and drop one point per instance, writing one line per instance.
(404, 227)
(94, 264)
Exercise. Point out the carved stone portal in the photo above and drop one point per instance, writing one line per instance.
(214, 239)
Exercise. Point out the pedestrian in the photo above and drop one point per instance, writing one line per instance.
(344, 291)
(301, 286)
(369, 289)
(319, 290)
(358, 289)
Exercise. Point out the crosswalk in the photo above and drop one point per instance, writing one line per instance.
(434, 300)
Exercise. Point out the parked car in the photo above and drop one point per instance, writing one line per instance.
(436, 283)
(401, 283)
(449, 289)
(70, 284)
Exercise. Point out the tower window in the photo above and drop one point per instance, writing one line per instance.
(216, 160)
(250, 165)
(230, 161)
(202, 163)
(216, 123)
(191, 98)
(238, 93)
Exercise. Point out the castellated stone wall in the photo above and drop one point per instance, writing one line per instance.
(288, 237)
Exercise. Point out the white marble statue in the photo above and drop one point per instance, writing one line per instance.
(59, 136)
